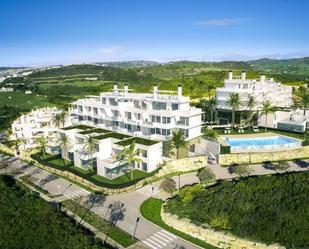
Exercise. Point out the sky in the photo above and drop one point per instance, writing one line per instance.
(49, 32)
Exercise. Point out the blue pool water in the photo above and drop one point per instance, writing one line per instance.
(262, 142)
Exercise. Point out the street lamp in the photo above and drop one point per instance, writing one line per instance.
(137, 220)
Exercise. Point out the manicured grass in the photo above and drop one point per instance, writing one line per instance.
(24, 101)
(151, 209)
(137, 174)
(101, 224)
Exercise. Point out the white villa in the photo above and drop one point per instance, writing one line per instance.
(29, 127)
(118, 118)
(262, 89)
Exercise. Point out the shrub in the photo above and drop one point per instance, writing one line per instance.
(186, 194)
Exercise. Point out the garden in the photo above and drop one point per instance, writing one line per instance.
(269, 209)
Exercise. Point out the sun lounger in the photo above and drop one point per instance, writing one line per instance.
(225, 131)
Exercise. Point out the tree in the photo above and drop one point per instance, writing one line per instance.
(234, 103)
(42, 142)
(206, 175)
(281, 166)
(117, 212)
(211, 103)
(64, 142)
(209, 132)
(267, 109)
(90, 146)
(210, 86)
(304, 101)
(251, 104)
(57, 119)
(242, 170)
(168, 185)
(177, 141)
(131, 154)
(63, 116)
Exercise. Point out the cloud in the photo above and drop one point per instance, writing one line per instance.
(109, 51)
(222, 22)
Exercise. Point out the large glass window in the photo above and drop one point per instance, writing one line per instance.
(144, 166)
(174, 107)
(104, 101)
(113, 102)
(158, 119)
(158, 106)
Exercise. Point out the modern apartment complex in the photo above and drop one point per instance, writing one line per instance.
(116, 119)
(139, 114)
(29, 127)
(261, 89)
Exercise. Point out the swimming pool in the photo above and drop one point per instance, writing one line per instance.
(262, 143)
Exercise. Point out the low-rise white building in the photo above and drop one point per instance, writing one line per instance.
(139, 114)
(39, 122)
(109, 144)
(6, 89)
(261, 89)
(290, 120)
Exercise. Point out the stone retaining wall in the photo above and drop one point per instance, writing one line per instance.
(259, 157)
(210, 236)
(182, 165)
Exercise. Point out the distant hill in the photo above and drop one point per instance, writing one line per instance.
(129, 64)
(298, 66)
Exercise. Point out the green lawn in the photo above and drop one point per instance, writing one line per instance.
(24, 101)
(151, 209)
(101, 224)
(137, 174)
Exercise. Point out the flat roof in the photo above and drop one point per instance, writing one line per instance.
(137, 140)
(80, 127)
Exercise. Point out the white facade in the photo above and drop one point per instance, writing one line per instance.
(6, 89)
(29, 127)
(148, 115)
(262, 89)
(108, 146)
(291, 120)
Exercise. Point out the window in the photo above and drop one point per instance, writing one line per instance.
(95, 110)
(89, 108)
(158, 106)
(174, 107)
(113, 102)
(80, 118)
(80, 108)
(158, 119)
(166, 120)
(89, 118)
(144, 166)
(184, 121)
(153, 119)
(153, 131)
(95, 121)
(129, 115)
(143, 153)
(104, 101)
(158, 131)
(136, 104)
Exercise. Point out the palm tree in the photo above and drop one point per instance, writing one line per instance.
(57, 120)
(130, 154)
(212, 107)
(251, 104)
(90, 145)
(63, 115)
(210, 86)
(177, 141)
(64, 142)
(43, 142)
(234, 103)
(267, 108)
(304, 101)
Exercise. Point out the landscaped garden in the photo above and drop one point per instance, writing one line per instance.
(27, 221)
(124, 180)
(270, 209)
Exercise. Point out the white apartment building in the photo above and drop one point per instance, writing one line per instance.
(29, 127)
(106, 153)
(262, 89)
(151, 115)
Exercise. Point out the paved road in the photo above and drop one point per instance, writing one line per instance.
(151, 235)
